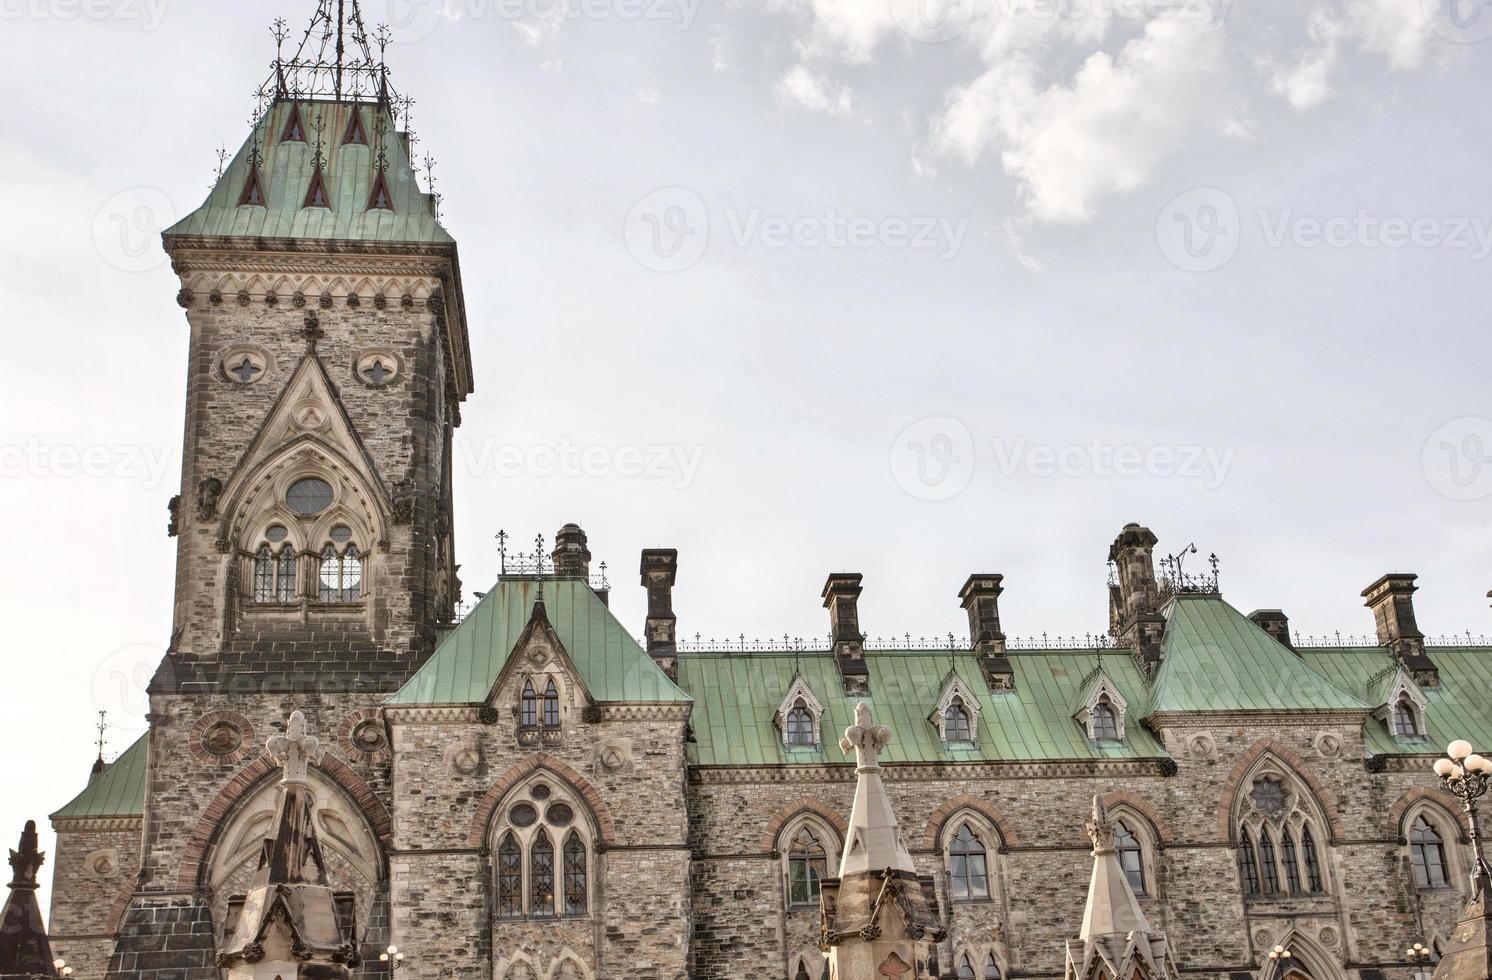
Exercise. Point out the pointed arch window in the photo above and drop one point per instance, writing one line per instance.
(253, 191)
(966, 969)
(968, 866)
(956, 726)
(541, 875)
(1406, 722)
(341, 575)
(528, 706)
(1268, 864)
(316, 194)
(807, 867)
(1292, 863)
(551, 705)
(576, 875)
(510, 878)
(1312, 861)
(991, 968)
(1105, 721)
(1131, 856)
(1427, 854)
(264, 575)
(356, 135)
(800, 725)
(294, 132)
(1248, 865)
(379, 198)
(802, 973)
(286, 585)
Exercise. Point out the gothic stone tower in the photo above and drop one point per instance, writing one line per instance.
(328, 359)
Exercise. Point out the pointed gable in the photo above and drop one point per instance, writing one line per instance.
(253, 190)
(316, 193)
(356, 135)
(118, 791)
(294, 130)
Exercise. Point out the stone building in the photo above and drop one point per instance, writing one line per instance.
(527, 792)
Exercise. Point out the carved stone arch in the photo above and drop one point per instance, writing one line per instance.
(792, 811)
(1317, 962)
(365, 288)
(518, 966)
(1120, 800)
(420, 290)
(364, 534)
(338, 287)
(249, 780)
(487, 808)
(307, 455)
(1240, 781)
(1447, 807)
(812, 959)
(567, 956)
(283, 287)
(946, 814)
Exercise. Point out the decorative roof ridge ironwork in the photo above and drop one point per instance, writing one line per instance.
(1175, 582)
(1338, 640)
(324, 64)
(905, 643)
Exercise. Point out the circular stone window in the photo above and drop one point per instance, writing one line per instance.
(378, 368)
(222, 738)
(276, 534)
(341, 534)
(539, 792)
(368, 737)
(309, 497)
(560, 814)
(244, 367)
(523, 815)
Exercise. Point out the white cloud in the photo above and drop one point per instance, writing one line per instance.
(802, 87)
(1070, 144)
(1401, 32)
(721, 47)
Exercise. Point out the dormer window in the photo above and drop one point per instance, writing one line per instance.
(1105, 722)
(551, 705)
(956, 727)
(1102, 709)
(1406, 724)
(1402, 706)
(957, 713)
(799, 715)
(528, 706)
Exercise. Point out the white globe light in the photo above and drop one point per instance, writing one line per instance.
(1479, 764)
(1459, 749)
(393, 950)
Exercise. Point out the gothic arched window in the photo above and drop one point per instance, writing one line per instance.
(807, 867)
(802, 973)
(968, 866)
(956, 727)
(1292, 863)
(1131, 856)
(1427, 854)
(510, 878)
(264, 575)
(1105, 722)
(800, 725)
(341, 575)
(541, 875)
(991, 968)
(528, 706)
(1277, 811)
(966, 969)
(1405, 720)
(1248, 865)
(1268, 865)
(286, 586)
(1312, 861)
(551, 705)
(576, 878)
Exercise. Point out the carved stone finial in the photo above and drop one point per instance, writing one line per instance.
(27, 861)
(1100, 827)
(208, 492)
(867, 739)
(295, 750)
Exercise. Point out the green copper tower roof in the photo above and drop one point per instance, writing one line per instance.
(613, 667)
(367, 188)
(118, 791)
(1214, 659)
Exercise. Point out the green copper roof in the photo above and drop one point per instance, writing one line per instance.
(286, 170)
(1216, 660)
(119, 791)
(737, 696)
(1458, 708)
(611, 664)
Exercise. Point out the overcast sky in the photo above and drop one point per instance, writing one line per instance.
(797, 286)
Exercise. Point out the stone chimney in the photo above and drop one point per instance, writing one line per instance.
(1134, 600)
(572, 559)
(980, 597)
(1392, 600)
(659, 570)
(842, 599)
(1275, 623)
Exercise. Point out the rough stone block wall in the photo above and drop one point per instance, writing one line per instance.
(165, 939)
(93, 877)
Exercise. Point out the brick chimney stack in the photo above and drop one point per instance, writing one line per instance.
(1392, 600)
(572, 559)
(980, 597)
(1275, 623)
(659, 571)
(842, 599)
(1134, 602)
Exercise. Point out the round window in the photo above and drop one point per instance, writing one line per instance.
(378, 368)
(539, 792)
(243, 366)
(341, 535)
(523, 815)
(276, 534)
(560, 814)
(309, 497)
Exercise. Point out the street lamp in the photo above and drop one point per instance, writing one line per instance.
(1278, 957)
(63, 970)
(1420, 956)
(1468, 776)
(393, 958)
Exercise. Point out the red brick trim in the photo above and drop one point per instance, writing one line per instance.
(477, 835)
(348, 746)
(1123, 797)
(1452, 807)
(202, 754)
(248, 779)
(120, 907)
(964, 801)
(1233, 785)
(793, 810)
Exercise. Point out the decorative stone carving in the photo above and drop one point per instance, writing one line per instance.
(614, 756)
(1201, 748)
(244, 298)
(353, 302)
(369, 738)
(173, 527)
(1328, 745)
(380, 302)
(208, 492)
(184, 298)
(102, 863)
(465, 755)
(222, 738)
(865, 738)
(215, 298)
(406, 301)
(295, 750)
(325, 301)
(311, 329)
(298, 300)
(1328, 937)
(403, 508)
(271, 299)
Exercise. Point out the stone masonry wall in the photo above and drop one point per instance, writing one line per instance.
(93, 878)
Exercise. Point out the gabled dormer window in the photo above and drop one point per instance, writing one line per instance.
(1101, 710)
(1403, 707)
(551, 705)
(253, 191)
(294, 132)
(356, 135)
(799, 715)
(1105, 722)
(528, 706)
(380, 199)
(957, 713)
(316, 194)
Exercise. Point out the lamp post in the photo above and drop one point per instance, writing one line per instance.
(63, 970)
(1420, 956)
(1468, 776)
(1278, 957)
(393, 958)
